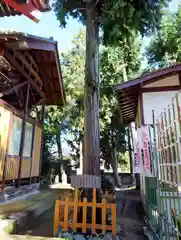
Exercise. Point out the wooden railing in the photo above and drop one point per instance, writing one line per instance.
(64, 208)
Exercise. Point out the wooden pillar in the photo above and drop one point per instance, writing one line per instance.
(6, 155)
(130, 149)
(23, 133)
(32, 148)
(42, 138)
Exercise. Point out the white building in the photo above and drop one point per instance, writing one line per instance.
(141, 100)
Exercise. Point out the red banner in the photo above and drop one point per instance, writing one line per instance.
(146, 153)
(137, 155)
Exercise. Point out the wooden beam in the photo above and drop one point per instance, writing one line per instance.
(161, 89)
(4, 64)
(41, 101)
(128, 109)
(47, 64)
(23, 134)
(24, 74)
(31, 44)
(14, 88)
(32, 149)
(9, 81)
(142, 110)
(42, 137)
(8, 143)
(29, 64)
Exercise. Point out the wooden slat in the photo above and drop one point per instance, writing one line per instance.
(26, 165)
(25, 74)
(75, 210)
(36, 152)
(84, 218)
(12, 168)
(113, 208)
(66, 211)
(56, 216)
(89, 225)
(104, 207)
(94, 211)
(89, 204)
(30, 66)
(93, 226)
(4, 129)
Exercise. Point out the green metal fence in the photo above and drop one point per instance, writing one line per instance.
(162, 189)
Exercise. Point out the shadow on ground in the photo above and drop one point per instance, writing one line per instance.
(130, 214)
(43, 225)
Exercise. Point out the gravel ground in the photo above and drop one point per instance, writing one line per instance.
(130, 215)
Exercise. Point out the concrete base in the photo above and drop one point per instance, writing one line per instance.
(11, 194)
(19, 221)
(22, 219)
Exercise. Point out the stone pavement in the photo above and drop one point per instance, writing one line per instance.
(17, 215)
(130, 215)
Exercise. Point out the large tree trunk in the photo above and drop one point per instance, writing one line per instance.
(91, 107)
(91, 94)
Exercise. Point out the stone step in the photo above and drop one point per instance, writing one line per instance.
(23, 237)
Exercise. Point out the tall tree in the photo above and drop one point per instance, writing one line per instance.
(126, 55)
(117, 19)
(111, 59)
(165, 46)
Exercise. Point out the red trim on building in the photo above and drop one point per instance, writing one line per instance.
(29, 9)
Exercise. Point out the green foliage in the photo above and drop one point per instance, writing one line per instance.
(68, 121)
(114, 60)
(165, 47)
(47, 157)
(118, 18)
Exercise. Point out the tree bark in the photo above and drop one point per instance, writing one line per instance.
(91, 94)
(114, 164)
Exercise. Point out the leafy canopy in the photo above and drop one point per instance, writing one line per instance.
(117, 18)
(165, 47)
(67, 122)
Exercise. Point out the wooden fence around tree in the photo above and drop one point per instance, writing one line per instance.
(69, 207)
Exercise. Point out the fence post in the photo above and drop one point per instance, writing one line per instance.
(84, 218)
(66, 210)
(113, 219)
(104, 207)
(56, 216)
(94, 211)
(75, 210)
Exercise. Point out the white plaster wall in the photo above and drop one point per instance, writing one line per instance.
(156, 101)
(165, 82)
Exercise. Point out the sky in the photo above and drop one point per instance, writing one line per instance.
(49, 27)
